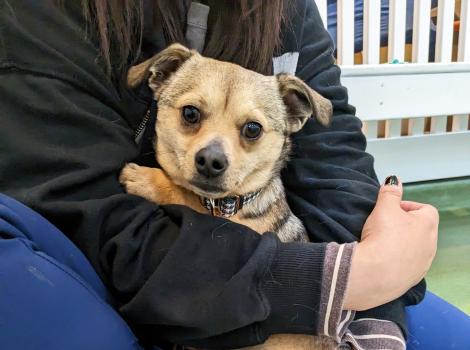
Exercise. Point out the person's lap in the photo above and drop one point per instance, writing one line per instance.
(51, 298)
(436, 324)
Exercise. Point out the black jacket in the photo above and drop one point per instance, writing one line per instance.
(66, 131)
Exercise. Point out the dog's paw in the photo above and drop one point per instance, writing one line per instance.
(136, 180)
(150, 183)
(129, 174)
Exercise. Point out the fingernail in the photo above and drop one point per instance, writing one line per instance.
(392, 180)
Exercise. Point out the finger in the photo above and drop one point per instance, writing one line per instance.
(410, 206)
(390, 193)
(427, 214)
(431, 212)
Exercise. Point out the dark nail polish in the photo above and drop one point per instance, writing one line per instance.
(392, 180)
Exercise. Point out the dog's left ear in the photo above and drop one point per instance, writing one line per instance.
(302, 103)
(160, 67)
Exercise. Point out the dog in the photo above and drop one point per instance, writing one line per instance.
(222, 138)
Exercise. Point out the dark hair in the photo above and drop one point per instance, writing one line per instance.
(246, 32)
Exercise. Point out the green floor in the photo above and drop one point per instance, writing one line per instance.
(449, 276)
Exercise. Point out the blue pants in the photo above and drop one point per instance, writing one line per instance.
(51, 298)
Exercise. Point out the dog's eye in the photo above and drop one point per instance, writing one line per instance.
(252, 130)
(191, 114)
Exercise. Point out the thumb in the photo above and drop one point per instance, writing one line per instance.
(390, 193)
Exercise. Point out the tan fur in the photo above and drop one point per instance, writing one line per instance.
(154, 185)
(295, 342)
(228, 96)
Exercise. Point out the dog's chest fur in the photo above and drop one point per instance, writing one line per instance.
(269, 212)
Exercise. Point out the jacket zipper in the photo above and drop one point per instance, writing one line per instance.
(140, 129)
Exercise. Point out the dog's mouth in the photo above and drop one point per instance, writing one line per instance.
(207, 189)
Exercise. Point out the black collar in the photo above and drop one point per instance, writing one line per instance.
(228, 206)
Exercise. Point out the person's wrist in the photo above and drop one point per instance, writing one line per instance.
(368, 276)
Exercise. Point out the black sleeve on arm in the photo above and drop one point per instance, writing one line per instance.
(331, 183)
(177, 275)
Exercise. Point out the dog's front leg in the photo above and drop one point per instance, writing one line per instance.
(154, 185)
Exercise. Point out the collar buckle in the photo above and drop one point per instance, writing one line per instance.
(223, 207)
(227, 206)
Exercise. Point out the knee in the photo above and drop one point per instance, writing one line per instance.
(48, 306)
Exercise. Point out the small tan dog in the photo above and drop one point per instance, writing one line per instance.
(222, 137)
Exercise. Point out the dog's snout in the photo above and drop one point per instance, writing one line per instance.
(211, 161)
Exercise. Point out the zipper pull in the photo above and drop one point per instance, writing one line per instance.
(140, 131)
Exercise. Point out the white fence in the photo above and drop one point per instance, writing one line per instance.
(416, 116)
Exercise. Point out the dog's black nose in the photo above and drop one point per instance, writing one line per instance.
(211, 161)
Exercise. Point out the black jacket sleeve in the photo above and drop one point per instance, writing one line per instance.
(331, 183)
(66, 132)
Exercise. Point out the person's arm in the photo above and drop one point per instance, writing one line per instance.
(415, 226)
(330, 181)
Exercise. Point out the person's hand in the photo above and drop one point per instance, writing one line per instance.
(398, 244)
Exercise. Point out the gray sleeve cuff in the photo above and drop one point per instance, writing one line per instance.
(371, 333)
(339, 324)
(333, 321)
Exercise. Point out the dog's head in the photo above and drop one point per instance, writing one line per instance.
(222, 129)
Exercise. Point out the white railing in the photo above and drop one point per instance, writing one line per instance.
(416, 116)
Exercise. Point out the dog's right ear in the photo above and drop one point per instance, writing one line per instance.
(160, 67)
(302, 102)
